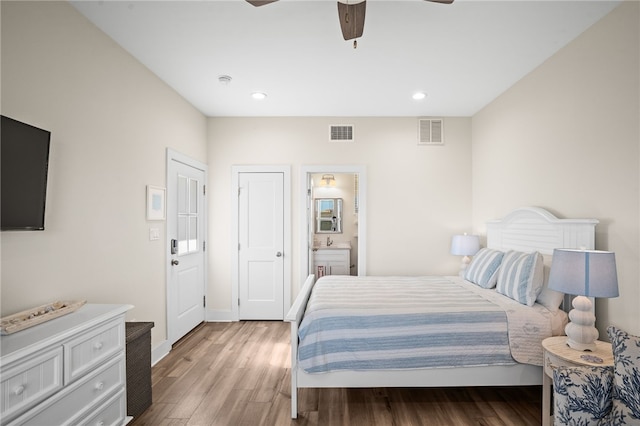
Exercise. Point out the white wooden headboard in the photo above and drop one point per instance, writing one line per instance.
(530, 229)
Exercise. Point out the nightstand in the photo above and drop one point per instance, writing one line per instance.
(556, 354)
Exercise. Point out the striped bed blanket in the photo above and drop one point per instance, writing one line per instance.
(367, 323)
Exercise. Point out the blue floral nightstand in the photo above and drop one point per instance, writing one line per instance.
(557, 354)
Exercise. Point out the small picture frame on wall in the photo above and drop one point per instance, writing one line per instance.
(156, 203)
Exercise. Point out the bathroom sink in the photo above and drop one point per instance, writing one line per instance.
(338, 245)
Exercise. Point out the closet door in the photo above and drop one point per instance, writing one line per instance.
(261, 246)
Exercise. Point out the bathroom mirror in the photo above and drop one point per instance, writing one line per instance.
(328, 215)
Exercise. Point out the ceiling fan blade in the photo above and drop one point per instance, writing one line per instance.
(257, 3)
(351, 18)
(441, 1)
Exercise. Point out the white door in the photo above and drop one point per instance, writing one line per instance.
(261, 246)
(186, 221)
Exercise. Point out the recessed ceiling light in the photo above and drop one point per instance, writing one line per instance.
(258, 95)
(419, 96)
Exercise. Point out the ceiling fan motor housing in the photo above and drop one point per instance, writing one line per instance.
(350, 14)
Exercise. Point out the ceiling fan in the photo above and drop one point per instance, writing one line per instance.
(351, 16)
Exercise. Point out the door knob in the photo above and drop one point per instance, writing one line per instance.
(174, 262)
(279, 254)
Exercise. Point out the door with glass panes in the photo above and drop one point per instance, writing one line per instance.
(186, 230)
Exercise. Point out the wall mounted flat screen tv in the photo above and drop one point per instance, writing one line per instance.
(24, 162)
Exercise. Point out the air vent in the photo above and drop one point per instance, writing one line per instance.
(341, 133)
(430, 131)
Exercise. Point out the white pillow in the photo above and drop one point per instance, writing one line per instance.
(521, 276)
(550, 299)
(483, 269)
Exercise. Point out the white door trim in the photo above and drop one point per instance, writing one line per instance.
(235, 178)
(305, 178)
(181, 158)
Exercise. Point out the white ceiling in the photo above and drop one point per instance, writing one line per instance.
(461, 55)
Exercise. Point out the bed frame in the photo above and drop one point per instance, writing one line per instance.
(526, 229)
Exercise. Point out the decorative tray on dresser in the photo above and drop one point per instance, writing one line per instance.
(38, 315)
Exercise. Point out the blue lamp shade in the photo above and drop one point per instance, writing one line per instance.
(465, 245)
(589, 273)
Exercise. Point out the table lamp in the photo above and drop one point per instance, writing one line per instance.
(583, 273)
(465, 245)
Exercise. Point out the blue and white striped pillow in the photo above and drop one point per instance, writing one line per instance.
(483, 269)
(521, 276)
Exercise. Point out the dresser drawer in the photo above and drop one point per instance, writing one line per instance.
(73, 403)
(24, 385)
(111, 413)
(92, 348)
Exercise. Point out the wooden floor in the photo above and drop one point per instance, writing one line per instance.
(238, 374)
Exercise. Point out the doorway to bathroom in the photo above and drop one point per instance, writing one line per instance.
(333, 220)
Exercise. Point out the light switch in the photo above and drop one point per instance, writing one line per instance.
(154, 234)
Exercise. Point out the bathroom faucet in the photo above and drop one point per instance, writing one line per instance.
(329, 242)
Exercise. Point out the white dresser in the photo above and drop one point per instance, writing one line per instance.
(70, 370)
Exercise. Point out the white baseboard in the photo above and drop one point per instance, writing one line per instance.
(160, 352)
(219, 316)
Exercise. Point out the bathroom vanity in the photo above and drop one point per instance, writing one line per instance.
(332, 260)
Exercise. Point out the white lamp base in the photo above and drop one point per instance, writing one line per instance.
(463, 265)
(581, 331)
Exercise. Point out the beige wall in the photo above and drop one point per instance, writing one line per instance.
(418, 196)
(111, 121)
(566, 138)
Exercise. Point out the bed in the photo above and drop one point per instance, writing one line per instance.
(500, 340)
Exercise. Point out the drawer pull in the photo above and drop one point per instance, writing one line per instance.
(19, 390)
(100, 423)
(97, 346)
(99, 386)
